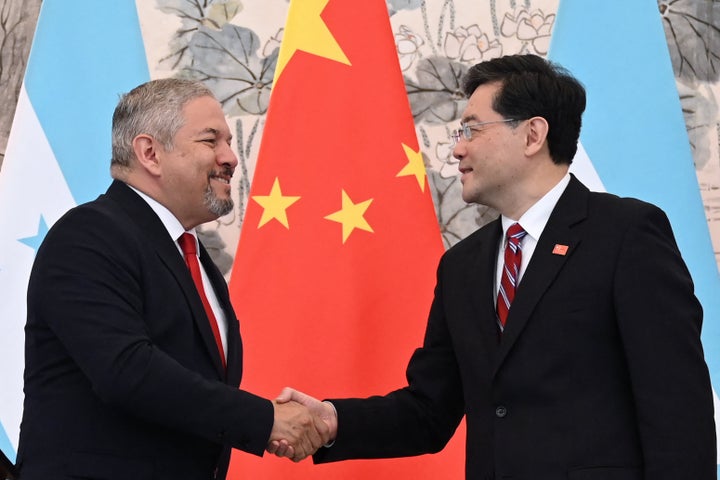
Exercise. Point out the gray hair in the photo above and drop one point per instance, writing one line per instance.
(153, 108)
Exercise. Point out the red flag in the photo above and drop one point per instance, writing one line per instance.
(335, 267)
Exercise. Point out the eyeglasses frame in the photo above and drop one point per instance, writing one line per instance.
(466, 129)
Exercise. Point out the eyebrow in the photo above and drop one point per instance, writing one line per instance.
(468, 118)
(213, 131)
(209, 130)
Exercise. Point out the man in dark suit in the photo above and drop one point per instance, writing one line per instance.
(596, 372)
(131, 371)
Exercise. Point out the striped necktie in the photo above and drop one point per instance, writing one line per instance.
(511, 269)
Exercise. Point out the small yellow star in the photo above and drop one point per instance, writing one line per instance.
(351, 216)
(305, 30)
(415, 166)
(275, 205)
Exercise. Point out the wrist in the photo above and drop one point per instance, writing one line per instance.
(332, 421)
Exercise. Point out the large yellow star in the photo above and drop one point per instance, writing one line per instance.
(415, 166)
(275, 205)
(306, 31)
(351, 216)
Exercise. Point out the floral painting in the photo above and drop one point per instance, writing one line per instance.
(232, 46)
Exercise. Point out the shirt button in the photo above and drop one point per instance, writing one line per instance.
(501, 412)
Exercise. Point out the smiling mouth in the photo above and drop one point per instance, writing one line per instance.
(222, 177)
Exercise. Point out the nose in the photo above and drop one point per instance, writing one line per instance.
(227, 157)
(459, 150)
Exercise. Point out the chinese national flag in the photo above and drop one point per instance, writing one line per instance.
(335, 267)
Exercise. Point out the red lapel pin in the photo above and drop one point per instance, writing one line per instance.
(560, 249)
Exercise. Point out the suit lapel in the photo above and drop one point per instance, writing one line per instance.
(165, 247)
(481, 278)
(234, 345)
(547, 261)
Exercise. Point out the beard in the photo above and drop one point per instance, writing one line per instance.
(216, 206)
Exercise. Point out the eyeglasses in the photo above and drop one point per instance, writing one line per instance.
(466, 129)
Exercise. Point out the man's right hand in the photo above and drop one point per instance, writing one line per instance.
(323, 411)
(297, 430)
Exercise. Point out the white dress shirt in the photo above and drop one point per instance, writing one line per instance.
(175, 229)
(533, 221)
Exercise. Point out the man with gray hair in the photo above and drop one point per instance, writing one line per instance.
(133, 351)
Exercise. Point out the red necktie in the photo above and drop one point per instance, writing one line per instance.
(508, 281)
(187, 244)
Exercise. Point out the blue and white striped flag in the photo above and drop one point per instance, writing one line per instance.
(83, 57)
(634, 134)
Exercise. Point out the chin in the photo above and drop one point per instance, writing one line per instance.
(468, 197)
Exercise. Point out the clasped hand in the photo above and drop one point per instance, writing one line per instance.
(302, 425)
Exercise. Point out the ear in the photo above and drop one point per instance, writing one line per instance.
(146, 150)
(536, 135)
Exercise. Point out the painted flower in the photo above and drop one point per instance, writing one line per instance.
(532, 28)
(436, 95)
(408, 46)
(691, 28)
(273, 43)
(212, 15)
(226, 60)
(220, 12)
(471, 45)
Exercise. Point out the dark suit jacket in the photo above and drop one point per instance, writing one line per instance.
(122, 376)
(600, 372)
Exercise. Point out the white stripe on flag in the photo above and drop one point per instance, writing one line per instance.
(32, 191)
(585, 171)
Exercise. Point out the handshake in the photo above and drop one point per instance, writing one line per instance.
(302, 425)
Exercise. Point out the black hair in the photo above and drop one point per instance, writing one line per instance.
(531, 86)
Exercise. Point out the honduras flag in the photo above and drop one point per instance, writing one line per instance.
(83, 57)
(634, 137)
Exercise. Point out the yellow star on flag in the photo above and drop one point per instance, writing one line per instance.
(351, 216)
(305, 30)
(415, 166)
(275, 205)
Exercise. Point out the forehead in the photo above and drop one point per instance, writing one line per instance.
(202, 114)
(479, 105)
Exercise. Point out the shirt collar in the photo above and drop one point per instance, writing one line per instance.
(169, 221)
(537, 216)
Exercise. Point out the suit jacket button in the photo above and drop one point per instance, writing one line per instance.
(501, 412)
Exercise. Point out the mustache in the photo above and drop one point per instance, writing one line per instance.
(223, 172)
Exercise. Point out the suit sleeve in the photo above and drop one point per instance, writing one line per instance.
(660, 321)
(420, 418)
(89, 286)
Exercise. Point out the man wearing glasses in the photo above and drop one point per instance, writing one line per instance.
(566, 331)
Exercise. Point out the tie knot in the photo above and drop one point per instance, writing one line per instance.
(187, 244)
(515, 233)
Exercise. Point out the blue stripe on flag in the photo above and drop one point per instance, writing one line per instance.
(5, 445)
(634, 131)
(83, 57)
